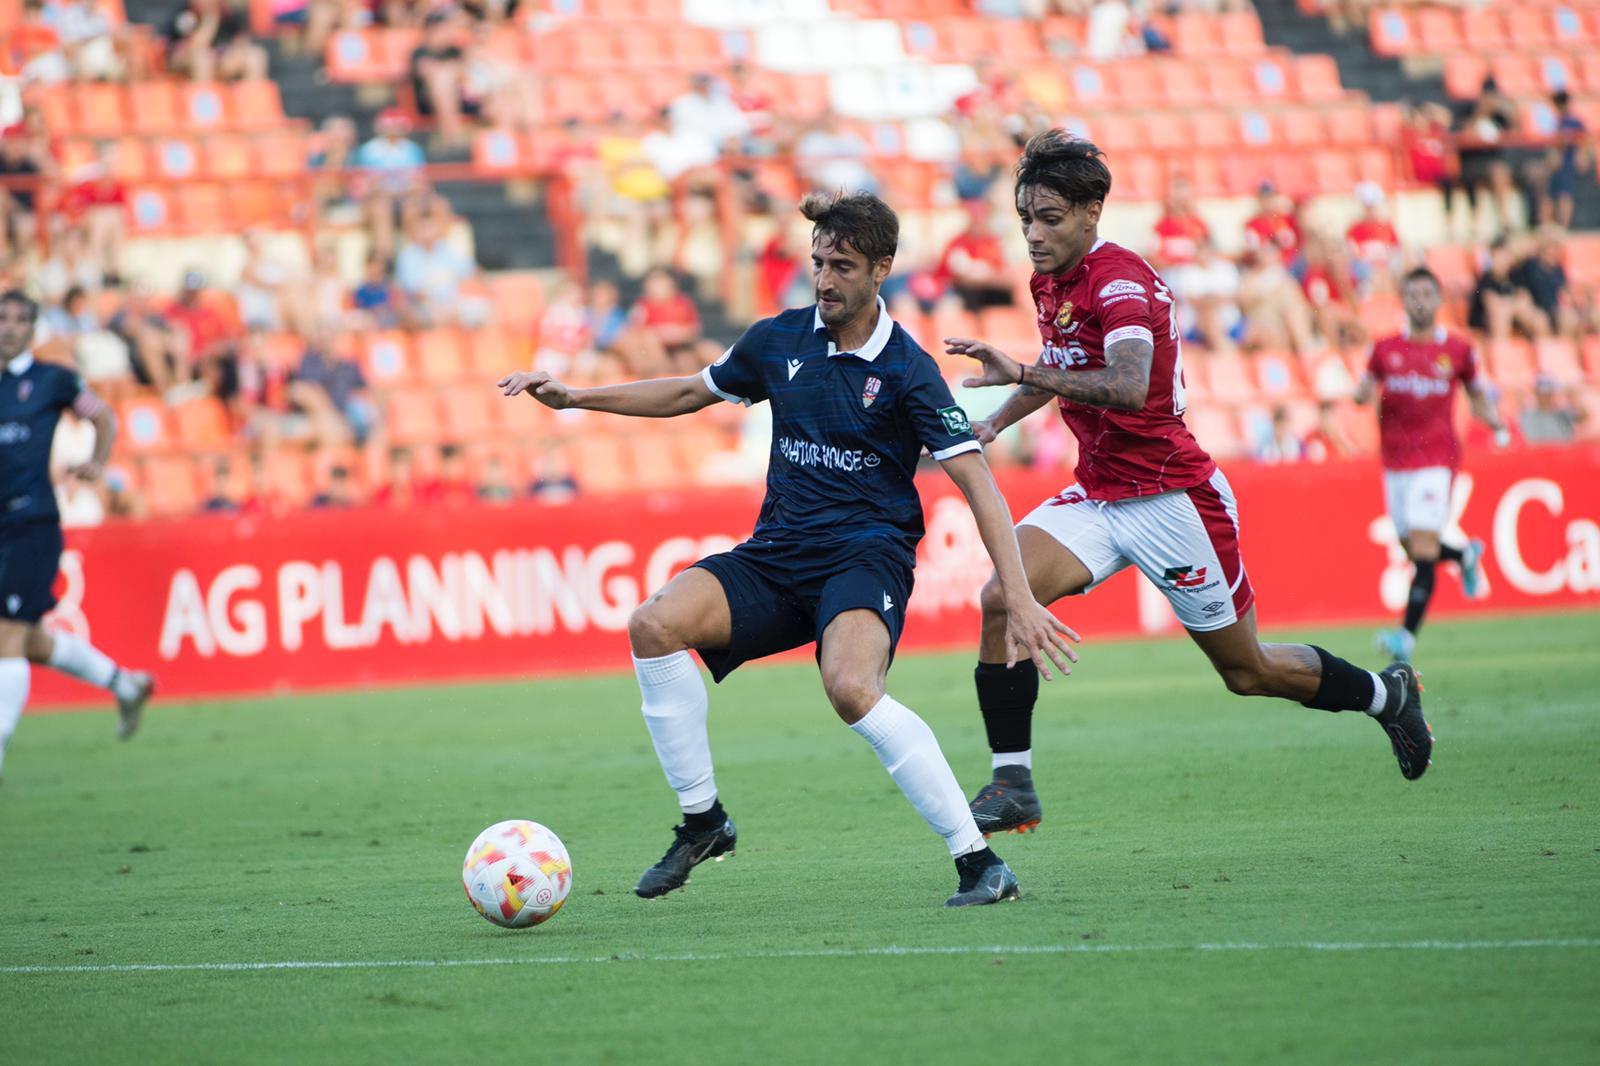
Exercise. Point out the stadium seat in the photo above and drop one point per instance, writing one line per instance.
(599, 465)
(1583, 259)
(1511, 363)
(1241, 33)
(385, 358)
(287, 473)
(1316, 78)
(1455, 265)
(1229, 82)
(280, 154)
(203, 107)
(150, 208)
(441, 355)
(652, 461)
(1525, 27)
(1558, 357)
(518, 297)
(412, 416)
(202, 424)
(1590, 352)
(144, 426)
(1516, 74)
(256, 105)
(101, 110)
(227, 157)
(1390, 32)
(1217, 430)
(1230, 378)
(176, 159)
(257, 203)
(1350, 126)
(1464, 74)
(1483, 30)
(203, 207)
(1438, 31)
(472, 412)
(153, 106)
(169, 486)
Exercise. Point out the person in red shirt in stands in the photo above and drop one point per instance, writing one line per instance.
(973, 265)
(1180, 232)
(670, 317)
(1374, 244)
(1425, 139)
(210, 337)
(98, 199)
(1273, 225)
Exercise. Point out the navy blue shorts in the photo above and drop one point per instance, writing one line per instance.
(30, 556)
(783, 596)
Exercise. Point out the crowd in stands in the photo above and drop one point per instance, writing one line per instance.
(285, 359)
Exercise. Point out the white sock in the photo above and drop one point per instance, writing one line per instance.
(1380, 695)
(1011, 758)
(14, 681)
(675, 712)
(78, 658)
(910, 752)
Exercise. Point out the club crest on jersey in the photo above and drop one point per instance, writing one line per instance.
(1444, 364)
(870, 391)
(24, 390)
(1064, 315)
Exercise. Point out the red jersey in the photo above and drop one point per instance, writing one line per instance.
(1428, 150)
(1111, 295)
(1178, 239)
(1419, 376)
(1372, 240)
(1273, 230)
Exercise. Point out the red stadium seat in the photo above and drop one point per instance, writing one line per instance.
(202, 424)
(1511, 363)
(1229, 82)
(1558, 357)
(1464, 74)
(1333, 171)
(1525, 27)
(1230, 378)
(1517, 75)
(1568, 27)
(1241, 33)
(287, 472)
(386, 358)
(1125, 132)
(441, 355)
(1484, 30)
(145, 426)
(472, 412)
(1302, 128)
(280, 154)
(1349, 126)
(1317, 78)
(1438, 32)
(651, 460)
(256, 105)
(1215, 130)
(153, 106)
(1591, 358)
(203, 207)
(203, 107)
(1454, 264)
(257, 203)
(599, 465)
(101, 110)
(1390, 32)
(1197, 35)
(169, 485)
(1168, 131)
(1181, 83)
(1217, 430)
(412, 416)
(1583, 259)
(227, 157)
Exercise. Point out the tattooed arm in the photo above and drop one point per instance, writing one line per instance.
(1122, 384)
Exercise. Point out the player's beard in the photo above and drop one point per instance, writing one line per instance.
(848, 307)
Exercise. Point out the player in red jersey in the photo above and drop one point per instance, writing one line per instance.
(1418, 371)
(1147, 494)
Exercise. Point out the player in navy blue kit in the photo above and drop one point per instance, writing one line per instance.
(32, 397)
(854, 403)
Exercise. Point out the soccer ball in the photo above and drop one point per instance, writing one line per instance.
(517, 873)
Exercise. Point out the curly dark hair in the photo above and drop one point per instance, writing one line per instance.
(859, 220)
(17, 296)
(1422, 273)
(1072, 168)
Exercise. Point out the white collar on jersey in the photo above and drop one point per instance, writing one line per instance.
(21, 363)
(1440, 334)
(875, 343)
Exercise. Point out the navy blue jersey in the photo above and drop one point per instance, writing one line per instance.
(32, 397)
(847, 428)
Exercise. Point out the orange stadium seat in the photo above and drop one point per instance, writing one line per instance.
(256, 105)
(1390, 32)
(1525, 27)
(1454, 264)
(280, 154)
(258, 203)
(153, 106)
(144, 426)
(1017, 40)
(101, 110)
(1302, 128)
(1217, 430)
(1484, 30)
(1510, 363)
(1464, 74)
(1317, 78)
(600, 465)
(1241, 33)
(176, 159)
(1349, 125)
(150, 208)
(1121, 133)
(1272, 77)
(203, 107)
(227, 157)
(1333, 171)
(471, 412)
(441, 355)
(1558, 357)
(693, 445)
(287, 472)
(1438, 31)
(1198, 35)
(1590, 354)
(518, 298)
(1229, 82)
(169, 485)
(1568, 27)
(1215, 130)
(202, 424)
(1230, 377)
(495, 350)
(202, 206)
(652, 461)
(1168, 131)
(412, 416)
(1516, 74)
(385, 358)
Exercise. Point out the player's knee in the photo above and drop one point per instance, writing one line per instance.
(38, 644)
(1245, 679)
(852, 695)
(992, 599)
(651, 632)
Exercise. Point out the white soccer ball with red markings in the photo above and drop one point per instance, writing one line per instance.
(517, 873)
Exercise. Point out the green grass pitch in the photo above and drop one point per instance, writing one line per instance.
(1216, 880)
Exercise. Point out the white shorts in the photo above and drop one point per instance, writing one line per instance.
(1186, 542)
(1419, 500)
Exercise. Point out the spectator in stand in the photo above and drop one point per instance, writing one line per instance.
(1544, 277)
(1481, 129)
(566, 343)
(670, 318)
(319, 300)
(259, 292)
(331, 389)
(607, 321)
(708, 113)
(1555, 415)
(159, 350)
(100, 355)
(209, 40)
(264, 498)
(1327, 441)
(1212, 303)
(377, 297)
(1278, 442)
(70, 266)
(761, 115)
(24, 161)
(211, 339)
(505, 94)
(681, 157)
(1425, 139)
(394, 162)
(973, 265)
(98, 200)
(1179, 233)
(1499, 305)
(1329, 285)
(91, 44)
(831, 157)
(438, 77)
(340, 492)
(222, 498)
(321, 18)
(1276, 315)
(330, 150)
(1569, 158)
(555, 483)
(400, 490)
(1374, 244)
(1274, 226)
(495, 486)
(452, 488)
(35, 49)
(431, 270)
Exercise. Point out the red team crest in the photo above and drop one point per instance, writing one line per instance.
(870, 392)
(1064, 315)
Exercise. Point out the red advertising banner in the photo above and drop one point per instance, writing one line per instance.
(227, 604)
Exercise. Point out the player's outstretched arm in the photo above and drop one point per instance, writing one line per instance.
(1023, 401)
(1032, 632)
(1122, 384)
(655, 398)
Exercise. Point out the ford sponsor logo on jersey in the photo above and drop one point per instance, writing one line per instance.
(1121, 288)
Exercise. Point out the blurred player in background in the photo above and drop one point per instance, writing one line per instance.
(1417, 371)
(32, 397)
(1147, 494)
(854, 403)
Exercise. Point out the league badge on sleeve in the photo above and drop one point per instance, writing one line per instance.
(870, 392)
(955, 421)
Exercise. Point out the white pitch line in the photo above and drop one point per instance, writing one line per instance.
(810, 953)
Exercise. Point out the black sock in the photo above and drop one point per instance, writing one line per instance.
(980, 859)
(1448, 554)
(1344, 686)
(1006, 698)
(711, 818)
(1421, 593)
